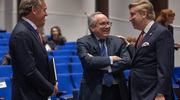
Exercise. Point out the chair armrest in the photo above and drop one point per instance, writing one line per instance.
(75, 93)
(60, 93)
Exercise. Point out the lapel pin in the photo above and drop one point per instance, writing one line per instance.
(150, 34)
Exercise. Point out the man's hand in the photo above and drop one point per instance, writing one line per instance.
(125, 40)
(89, 55)
(105, 68)
(55, 89)
(160, 97)
(115, 58)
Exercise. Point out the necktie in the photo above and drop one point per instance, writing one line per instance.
(37, 30)
(108, 80)
(140, 38)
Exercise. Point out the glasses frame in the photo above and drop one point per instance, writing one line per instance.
(104, 23)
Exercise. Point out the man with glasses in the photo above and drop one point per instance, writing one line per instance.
(103, 58)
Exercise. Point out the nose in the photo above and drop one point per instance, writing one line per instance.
(46, 14)
(130, 19)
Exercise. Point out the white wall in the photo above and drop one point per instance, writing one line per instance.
(2, 14)
(119, 15)
(70, 16)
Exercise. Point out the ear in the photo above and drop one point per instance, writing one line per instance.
(33, 9)
(144, 14)
(91, 27)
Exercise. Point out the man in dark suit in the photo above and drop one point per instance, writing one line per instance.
(30, 61)
(96, 66)
(153, 59)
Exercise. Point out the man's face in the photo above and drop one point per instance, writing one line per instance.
(102, 27)
(41, 14)
(136, 19)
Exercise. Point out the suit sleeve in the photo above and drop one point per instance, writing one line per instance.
(131, 50)
(23, 47)
(95, 62)
(165, 60)
(124, 63)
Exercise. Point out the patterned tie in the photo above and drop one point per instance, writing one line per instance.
(140, 38)
(108, 79)
(37, 30)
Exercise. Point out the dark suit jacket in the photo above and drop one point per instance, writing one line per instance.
(30, 64)
(152, 65)
(91, 83)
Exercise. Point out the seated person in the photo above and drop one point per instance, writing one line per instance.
(6, 59)
(49, 45)
(131, 40)
(56, 36)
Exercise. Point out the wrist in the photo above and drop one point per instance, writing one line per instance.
(54, 91)
(159, 94)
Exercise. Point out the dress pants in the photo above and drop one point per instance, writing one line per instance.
(110, 93)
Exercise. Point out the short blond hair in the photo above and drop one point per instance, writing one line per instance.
(144, 5)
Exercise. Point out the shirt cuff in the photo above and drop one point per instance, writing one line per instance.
(111, 60)
(109, 69)
(127, 45)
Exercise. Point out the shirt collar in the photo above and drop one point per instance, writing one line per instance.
(30, 22)
(146, 29)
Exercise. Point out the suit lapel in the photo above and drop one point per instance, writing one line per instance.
(95, 43)
(34, 34)
(145, 39)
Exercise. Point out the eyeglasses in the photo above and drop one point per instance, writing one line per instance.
(105, 23)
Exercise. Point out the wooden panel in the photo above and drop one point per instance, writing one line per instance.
(159, 5)
(102, 6)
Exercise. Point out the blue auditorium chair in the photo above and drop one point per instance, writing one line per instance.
(70, 43)
(76, 79)
(65, 84)
(4, 42)
(5, 35)
(5, 92)
(1, 59)
(75, 59)
(62, 68)
(2, 53)
(76, 67)
(176, 76)
(126, 73)
(64, 47)
(61, 53)
(4, 48)
(61, 59)
(74, 52)
(6, 71)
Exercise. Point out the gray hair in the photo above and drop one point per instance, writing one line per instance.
(25, 6)
(92, 20)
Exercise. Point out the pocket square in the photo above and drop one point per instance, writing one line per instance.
(145, 44)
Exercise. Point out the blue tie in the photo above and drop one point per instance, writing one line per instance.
(108, 80)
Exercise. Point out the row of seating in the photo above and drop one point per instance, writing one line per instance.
(68, 76)
(62, 52)
(62, 68)
(65, 59)
(66, 82)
